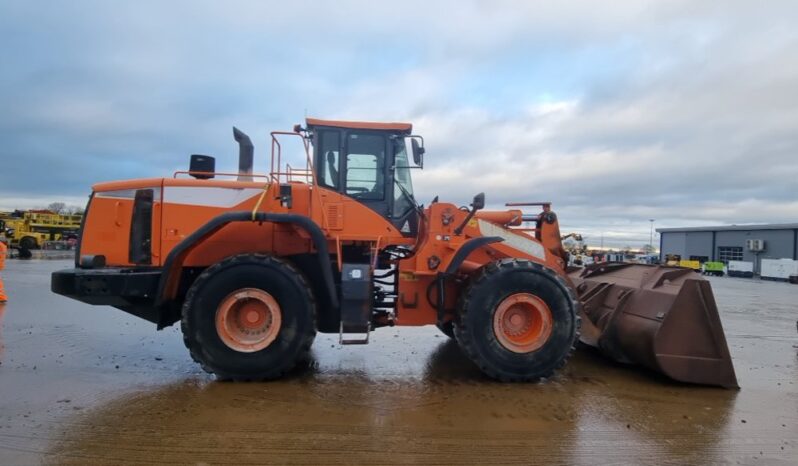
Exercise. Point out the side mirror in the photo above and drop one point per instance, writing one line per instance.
(479, 202)
(418, 152)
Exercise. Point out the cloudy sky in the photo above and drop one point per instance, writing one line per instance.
(681, 111)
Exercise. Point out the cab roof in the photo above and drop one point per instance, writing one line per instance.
(401, 127)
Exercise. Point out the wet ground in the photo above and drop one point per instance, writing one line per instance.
(85, 385)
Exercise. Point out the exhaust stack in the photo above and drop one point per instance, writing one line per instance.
(246, 155)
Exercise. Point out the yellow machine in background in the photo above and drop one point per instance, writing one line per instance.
(672, 260)
(690, 264)
(31, 228)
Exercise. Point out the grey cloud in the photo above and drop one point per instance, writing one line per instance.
(680, 111)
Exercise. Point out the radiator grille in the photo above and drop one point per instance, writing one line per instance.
(335, 217)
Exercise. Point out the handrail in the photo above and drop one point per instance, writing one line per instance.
(186, 172)
(315, 194)
(299, 172)
(546, 206)
(275, 170)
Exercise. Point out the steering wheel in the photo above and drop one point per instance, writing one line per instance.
(358, 189)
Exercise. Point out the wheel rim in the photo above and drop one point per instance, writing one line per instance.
(522, 323)
(248, 320)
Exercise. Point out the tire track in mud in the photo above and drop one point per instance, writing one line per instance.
(287, 443)
(281, 422)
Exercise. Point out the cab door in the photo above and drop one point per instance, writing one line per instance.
(361, 164)
(365, 167)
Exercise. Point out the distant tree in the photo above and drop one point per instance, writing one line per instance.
(74, 210)
(57, 207)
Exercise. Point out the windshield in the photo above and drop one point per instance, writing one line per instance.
(403, 186)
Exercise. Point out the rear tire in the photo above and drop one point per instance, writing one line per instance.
(249, 317)
(28, 242)
(518, 321)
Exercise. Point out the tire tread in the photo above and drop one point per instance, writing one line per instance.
(193, 340)
(467, 344)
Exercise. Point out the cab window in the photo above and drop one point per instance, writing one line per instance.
(330, 161)
(403, 186)
(365, 166)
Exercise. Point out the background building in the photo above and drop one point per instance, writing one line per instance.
(725, 243)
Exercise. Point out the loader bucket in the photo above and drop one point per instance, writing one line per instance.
(663, 318)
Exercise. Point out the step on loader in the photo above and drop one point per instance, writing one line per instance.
(252, 266)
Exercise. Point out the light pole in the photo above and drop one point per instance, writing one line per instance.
(651, 237)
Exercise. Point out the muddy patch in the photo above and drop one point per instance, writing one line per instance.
(83, 385)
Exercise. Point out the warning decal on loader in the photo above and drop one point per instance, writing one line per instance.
(516, 241)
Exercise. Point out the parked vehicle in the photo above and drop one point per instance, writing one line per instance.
(742, 269)
(690, 264)
(30, 229)
(778, 269)
(714, 268)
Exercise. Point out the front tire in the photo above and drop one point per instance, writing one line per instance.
(518, 321)
(249, 317)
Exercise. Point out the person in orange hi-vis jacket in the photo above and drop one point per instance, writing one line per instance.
(3, 249)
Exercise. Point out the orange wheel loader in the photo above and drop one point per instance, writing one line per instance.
(252, 266)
